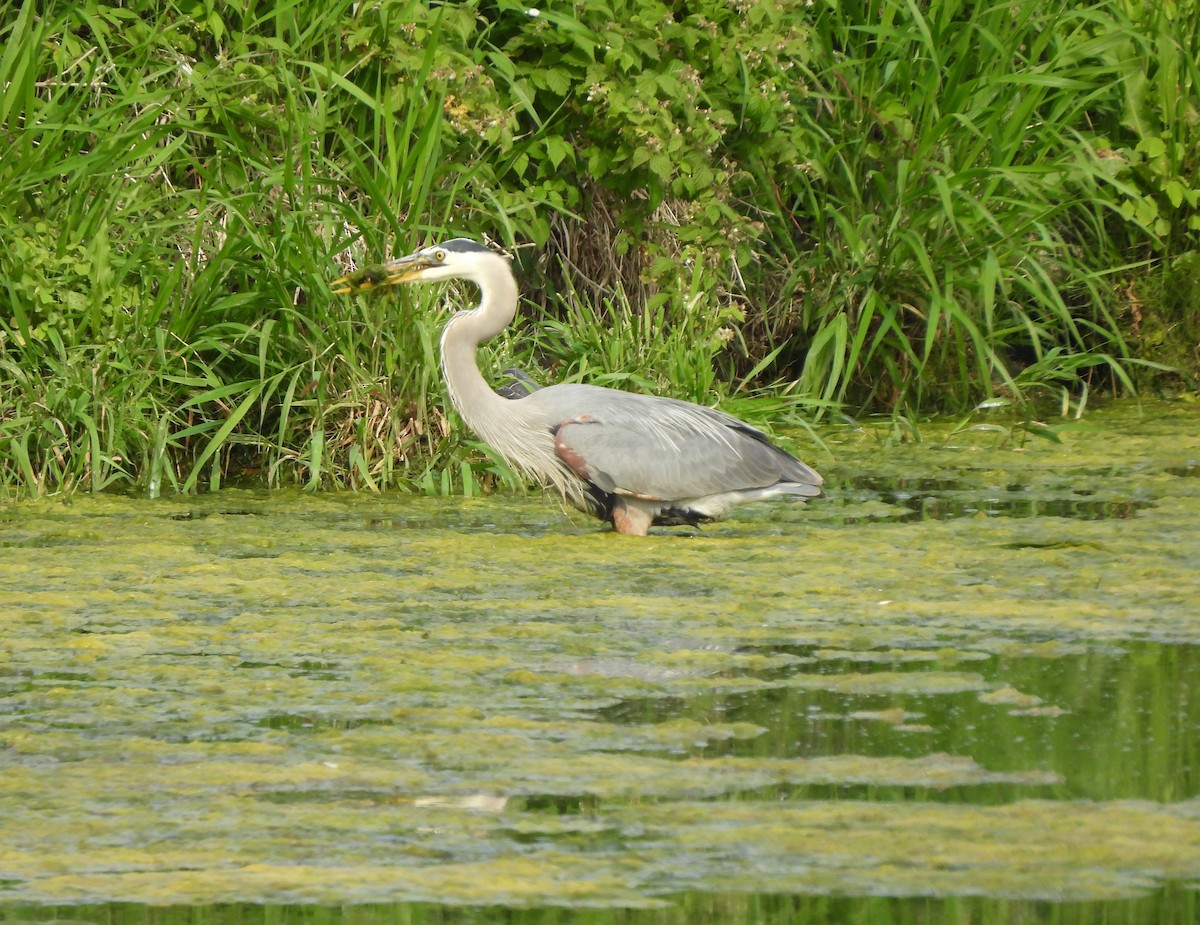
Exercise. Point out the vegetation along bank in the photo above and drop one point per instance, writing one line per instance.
(791, 209)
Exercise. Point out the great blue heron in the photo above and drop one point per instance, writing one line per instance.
(634, 460)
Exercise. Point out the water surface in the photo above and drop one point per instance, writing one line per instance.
(962, 687)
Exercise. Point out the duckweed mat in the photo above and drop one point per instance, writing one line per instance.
(967, 675)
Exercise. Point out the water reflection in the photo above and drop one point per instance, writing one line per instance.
(1173, 905)
(1113, 723)
(866, 498)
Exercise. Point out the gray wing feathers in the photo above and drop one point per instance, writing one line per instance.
(663, 449)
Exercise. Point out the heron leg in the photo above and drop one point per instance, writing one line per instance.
(630, 520)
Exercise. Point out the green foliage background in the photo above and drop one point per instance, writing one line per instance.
(853, 204)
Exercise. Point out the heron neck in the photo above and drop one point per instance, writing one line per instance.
(469, 391)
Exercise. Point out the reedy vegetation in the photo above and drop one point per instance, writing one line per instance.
(860, 204)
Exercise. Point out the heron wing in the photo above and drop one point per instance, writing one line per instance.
(662, 449)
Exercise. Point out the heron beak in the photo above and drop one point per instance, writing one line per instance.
(403, 270)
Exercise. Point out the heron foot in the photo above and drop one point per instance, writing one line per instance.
(632, 521)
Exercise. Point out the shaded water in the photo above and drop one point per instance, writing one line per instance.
(963, 687)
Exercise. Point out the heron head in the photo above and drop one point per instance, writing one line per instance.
(454, 259)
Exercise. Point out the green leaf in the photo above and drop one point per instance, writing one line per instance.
(661, 166)
(554, 80)
(558, 150)
(1153, 147)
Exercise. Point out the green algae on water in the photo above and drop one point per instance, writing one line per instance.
(338, 699)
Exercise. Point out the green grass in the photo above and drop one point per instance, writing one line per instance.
(950, 224)
(905, 208)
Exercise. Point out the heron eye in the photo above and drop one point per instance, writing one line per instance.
(439, 256)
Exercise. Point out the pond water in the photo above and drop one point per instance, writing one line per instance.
(963, 687)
